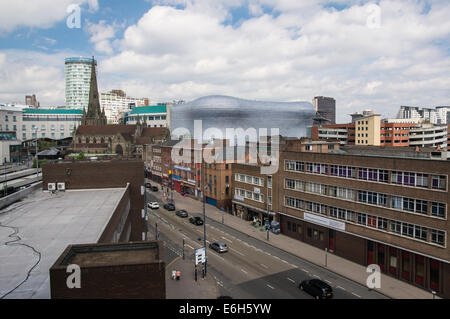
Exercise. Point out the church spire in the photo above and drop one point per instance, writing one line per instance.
(94, 114)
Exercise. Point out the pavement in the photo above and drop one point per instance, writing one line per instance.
(187, 287)
(390, 287)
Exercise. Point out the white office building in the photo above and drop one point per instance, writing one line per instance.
(438, 115)
(116, 103)
(78, 80)
(154, 116)
(56, 124)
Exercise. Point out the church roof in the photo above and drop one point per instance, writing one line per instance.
(154, 131)
(106, 129)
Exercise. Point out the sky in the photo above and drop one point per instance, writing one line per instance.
(375, 55)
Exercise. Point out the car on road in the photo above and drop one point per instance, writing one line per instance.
(169, 206)
(196, 220)
(316, 288)
(148, 185)
(153, 205)
(182, 213)
(154, 188)
(219, 246)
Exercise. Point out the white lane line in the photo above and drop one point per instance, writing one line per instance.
(237, 252)
(305, 270)
(245, 272)
(220, 284)
(284, 261)
(264, 266)
(226, 239)
(270, 286)
(328, 281)
(340, 288)
(291, 280)
(356, 295)
(316, 276)
(190, 247)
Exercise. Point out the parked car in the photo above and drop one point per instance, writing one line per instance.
(148, 185)
(219, 246)
(316, 288)
(153, 205)
(154, 188)
(182, 213)
(196, 220)
(169, 206)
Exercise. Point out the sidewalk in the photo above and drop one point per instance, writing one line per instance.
(390, 286)
(187, 287)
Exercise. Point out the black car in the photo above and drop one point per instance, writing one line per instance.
(154, 188)
(169, 207)
(196, 220)
(148, 185)
(182, 213)
(316, 288)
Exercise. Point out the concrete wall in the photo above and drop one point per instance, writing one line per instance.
(10, 199)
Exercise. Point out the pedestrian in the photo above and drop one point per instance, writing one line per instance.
(178, 274)
(174, 274)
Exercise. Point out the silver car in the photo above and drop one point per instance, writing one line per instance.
(219, 246)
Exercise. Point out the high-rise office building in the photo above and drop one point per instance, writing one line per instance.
(31, 100)
(78, 80)
(326, 107)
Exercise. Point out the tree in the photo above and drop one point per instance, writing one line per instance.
(81, 156)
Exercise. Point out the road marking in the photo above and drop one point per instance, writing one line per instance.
(220, 284)
(340, 288)
(356, 295)
(264, 266)
(226, 239)
(190, 247)
(270, 286)
(237, 252)
(291, 280)
(316, 276)
(328, 281)
(245, 272)
(305, 270)
(284, 261)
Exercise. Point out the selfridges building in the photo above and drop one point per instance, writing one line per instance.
(224, 112)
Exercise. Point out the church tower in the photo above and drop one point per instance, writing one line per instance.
(94, 115)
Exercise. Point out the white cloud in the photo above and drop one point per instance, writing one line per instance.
(37, 13)
(29, 72)
(299, 51)
(102, 34)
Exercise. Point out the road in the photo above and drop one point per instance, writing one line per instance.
(251, 268)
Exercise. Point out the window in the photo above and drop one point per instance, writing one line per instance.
(372, 221)
(396, 227)
(438, 209)
(396, 202)
(438, 182)
(421, 206)
(408, 204)
(407, 229)
(382, 223)
(362, 219)
(420, 233)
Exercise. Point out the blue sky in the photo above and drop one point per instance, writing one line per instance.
(366, 54)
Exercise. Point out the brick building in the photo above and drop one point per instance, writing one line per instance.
(371, 209)
(119, 271)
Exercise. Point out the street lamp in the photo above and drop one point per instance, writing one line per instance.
(326, 256)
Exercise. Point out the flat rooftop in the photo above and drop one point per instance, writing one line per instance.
(48, 223)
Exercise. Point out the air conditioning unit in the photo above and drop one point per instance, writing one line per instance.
(51, 187)
(61, 186)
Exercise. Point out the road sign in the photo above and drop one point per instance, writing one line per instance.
(200, 256)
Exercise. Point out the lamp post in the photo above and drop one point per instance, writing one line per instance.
(326, 256)
(204, 215)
